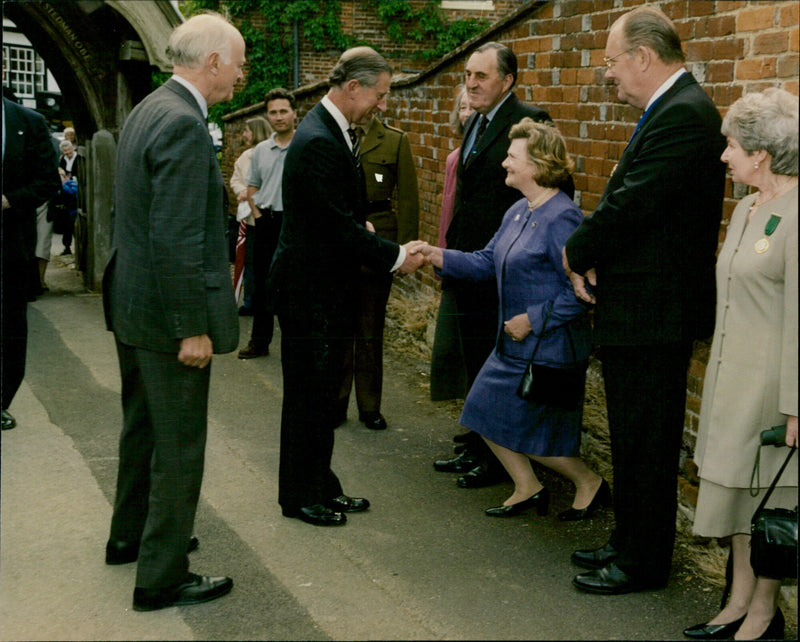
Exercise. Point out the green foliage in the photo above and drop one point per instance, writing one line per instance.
(269, 49)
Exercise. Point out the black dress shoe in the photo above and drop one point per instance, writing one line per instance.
(705, 631)
(196, 589)
(592, 558)
(480, 476)
(245, 311)
(8, 421)
(121, 552)
(541, 500)
(372, 420)
(253, 350)
(601, 497)
(610, 580)
(460, 464)
(345, 504)
(316, 514)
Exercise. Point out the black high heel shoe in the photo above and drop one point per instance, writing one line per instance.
(705, 631)
(602, 496)
(541, 500)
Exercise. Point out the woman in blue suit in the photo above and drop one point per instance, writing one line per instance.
(536, 301)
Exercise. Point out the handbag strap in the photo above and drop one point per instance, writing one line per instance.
(541, 334)
(774, 481)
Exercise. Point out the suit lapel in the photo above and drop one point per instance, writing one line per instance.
(493, 129)
(185, 94)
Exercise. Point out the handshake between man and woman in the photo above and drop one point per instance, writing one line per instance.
(419, 253)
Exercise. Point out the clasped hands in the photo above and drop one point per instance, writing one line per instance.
(419, 253)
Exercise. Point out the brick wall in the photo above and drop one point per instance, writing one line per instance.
(732, 47)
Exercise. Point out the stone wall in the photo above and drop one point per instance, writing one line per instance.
(732, 47)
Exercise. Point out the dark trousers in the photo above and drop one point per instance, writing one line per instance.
(363, 361)
(646, 399)
(312, 354)
(267, 230)
(161, 456)
(14, 326)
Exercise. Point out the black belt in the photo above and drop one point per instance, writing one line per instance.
(379, 206)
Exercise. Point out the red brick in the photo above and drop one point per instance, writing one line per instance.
(794, 44)
(730, 5)
(788, 66)
(767, 43)
(718, 26)
(700, 50)
(728, 49)
(685, 30)
(790, 14)
(792, 87)
(719, 72)
(755, 68)
(755, 19)
(675, 10)
(700, 7)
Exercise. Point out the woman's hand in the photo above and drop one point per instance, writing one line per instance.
(517, 327)
(791, 431)
(433, 255)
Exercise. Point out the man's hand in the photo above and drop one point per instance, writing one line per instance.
(414, 257)
(578, 281)
(433, 255)
(196, 351)
(6, 204)
(370, 227)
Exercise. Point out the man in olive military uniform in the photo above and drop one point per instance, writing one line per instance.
(389, 172)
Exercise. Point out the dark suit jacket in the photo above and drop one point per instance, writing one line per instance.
(79, 174)
(168, 276)
(323, 239)
(482, 196)
(654, 234)
(389, 171)
(30, 177)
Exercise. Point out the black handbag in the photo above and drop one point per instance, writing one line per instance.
(558, 387)
(773, 535)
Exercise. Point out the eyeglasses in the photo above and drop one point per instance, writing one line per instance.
(609, 62)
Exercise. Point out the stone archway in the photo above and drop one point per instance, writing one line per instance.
(102, 53)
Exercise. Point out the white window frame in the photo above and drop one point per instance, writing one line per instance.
(468, 5)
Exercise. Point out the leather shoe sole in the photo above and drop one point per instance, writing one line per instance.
(317, 515)
(195, 590)
(705, 631)
(120, 552)
(611, 580)
(595, 558)
(345, 504)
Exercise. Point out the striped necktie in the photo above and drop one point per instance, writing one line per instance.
(356, 147)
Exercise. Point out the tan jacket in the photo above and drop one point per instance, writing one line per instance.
(751, 378)
(389, 172)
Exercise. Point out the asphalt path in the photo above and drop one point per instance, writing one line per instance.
(423, 563)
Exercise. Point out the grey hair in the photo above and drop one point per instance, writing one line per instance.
(455, 120)
(650, 27)
(766, 120)
(64, 143)
(190, 43)
(363, 64)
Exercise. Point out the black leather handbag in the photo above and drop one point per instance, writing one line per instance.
(558, 387)
(773, 535)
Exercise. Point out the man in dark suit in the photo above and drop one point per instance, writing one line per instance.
(647, 253)
(315, 273)
(482, 198)
(169, 300)
(389, 173)
(30, 177)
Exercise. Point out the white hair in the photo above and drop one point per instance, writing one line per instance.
(192, 42)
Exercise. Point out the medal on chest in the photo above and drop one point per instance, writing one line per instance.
(762, 245)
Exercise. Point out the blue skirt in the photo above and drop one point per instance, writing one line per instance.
(493, 410)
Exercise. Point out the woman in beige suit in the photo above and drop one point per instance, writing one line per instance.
(751, 380)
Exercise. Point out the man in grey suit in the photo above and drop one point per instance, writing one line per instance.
(169, 301)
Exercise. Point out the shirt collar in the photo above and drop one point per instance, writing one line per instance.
(338, 116)
(201, 101)
(663, 89)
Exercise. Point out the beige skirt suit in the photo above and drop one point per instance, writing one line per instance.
(751, 378)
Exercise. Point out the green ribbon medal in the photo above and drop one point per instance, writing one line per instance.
(762, 245)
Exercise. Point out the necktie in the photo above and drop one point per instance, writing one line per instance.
(356, 147)
(481, 128)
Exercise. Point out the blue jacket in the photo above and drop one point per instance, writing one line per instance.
(524, 256)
